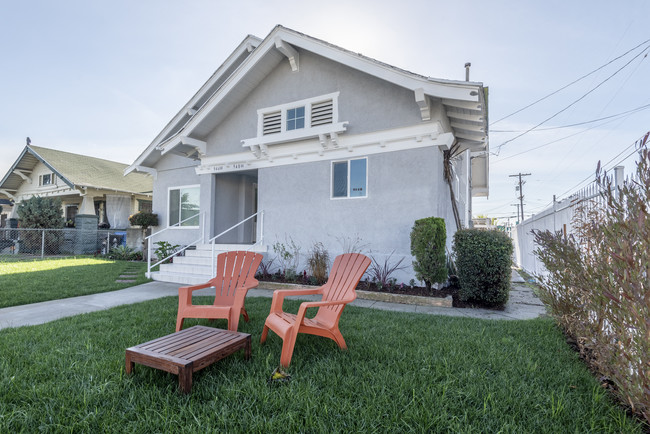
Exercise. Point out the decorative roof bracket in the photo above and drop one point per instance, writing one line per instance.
(22, 175)
(288, 51)
(423, 103)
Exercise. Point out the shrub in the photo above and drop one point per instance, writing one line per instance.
(122, 253)
(288, 256)
(483, 261)
(165, 249)
(428, 238)
(41, 213)
(144, 219)
(318, 263)
(597, 285)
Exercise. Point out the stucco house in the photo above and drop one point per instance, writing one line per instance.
(92, 190)
(313, 143)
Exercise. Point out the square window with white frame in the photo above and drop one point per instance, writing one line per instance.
(296, 118)
(350, 178)
(183, 206)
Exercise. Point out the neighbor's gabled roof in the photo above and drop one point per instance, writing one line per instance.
(76, 171)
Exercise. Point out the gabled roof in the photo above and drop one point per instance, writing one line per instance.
(76, 171)
(253, 59)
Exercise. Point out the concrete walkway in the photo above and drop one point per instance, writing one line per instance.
(523, 304)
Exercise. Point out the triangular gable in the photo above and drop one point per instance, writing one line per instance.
(464, 101)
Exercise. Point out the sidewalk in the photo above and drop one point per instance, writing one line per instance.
(523, 304)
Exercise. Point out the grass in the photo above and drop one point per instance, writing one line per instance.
(402, 373)
(33, 281)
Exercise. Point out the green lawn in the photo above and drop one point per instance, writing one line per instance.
(402, 373)
(33, 281)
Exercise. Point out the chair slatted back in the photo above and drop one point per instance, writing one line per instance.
(234, 270)
(346, 273)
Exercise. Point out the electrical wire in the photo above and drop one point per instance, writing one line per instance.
(552, 142)
(570, 84)
(604, 166)
(643, 107)
(572, 104)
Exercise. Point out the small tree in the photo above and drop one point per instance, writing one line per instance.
(428, 239)
(41, 213)
(145, 220)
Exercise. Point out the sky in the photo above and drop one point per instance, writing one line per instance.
(102, 78)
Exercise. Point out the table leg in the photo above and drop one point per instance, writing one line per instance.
(185, 378)
(129, 363)
(247, 348)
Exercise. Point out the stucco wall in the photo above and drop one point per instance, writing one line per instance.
(366, 102)
(174, 171)
(296, 201)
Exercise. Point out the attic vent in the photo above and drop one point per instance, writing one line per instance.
(272, 123)
(322, 113)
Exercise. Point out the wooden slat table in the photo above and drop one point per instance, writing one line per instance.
(185, 352)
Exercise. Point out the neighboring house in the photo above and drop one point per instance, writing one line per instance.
(319, 144)
(92, 190)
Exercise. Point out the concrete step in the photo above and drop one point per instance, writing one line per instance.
(196, 266)
(181, 279)
(203, 270)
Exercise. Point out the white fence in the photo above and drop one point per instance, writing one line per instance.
(557, 218)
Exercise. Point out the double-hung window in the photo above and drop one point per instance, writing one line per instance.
(350, 178)
(184, 206)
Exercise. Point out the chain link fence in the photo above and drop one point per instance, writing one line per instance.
(18, 243)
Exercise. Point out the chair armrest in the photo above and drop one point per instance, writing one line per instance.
(279, 294)
(309, 304)
(194, 287)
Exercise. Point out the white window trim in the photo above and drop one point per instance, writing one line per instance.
(53, 180)
(282, 108)
(169, 189)
(348, 197)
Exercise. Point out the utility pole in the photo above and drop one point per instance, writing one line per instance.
(521, 191)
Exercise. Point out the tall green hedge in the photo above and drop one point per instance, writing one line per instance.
(428, 238)
(483, 259)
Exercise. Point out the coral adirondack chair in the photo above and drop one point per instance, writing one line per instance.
(235, 276)
(337, 292)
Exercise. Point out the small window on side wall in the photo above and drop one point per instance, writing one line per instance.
(350, 178)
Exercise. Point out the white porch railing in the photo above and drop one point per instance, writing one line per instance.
(260, 241)
(202, 224)
(150, 239)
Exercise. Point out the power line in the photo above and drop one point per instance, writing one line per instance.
(570, 105)
(643, 107)
(643, 141)
(571, 84)
(552, 142)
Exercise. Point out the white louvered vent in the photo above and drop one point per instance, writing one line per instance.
(272, 123)
(322, 113)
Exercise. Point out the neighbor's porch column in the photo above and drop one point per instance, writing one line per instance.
(86, 224)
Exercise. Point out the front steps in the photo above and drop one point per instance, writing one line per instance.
(196, 266)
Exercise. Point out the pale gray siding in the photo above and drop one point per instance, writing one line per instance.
(173, 171)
